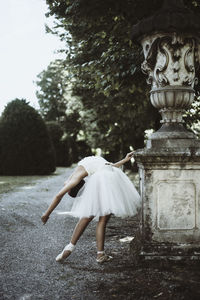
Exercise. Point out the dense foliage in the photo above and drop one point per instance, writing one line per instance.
(105, 67)
(61, 112)
(55, 100)
(67, 149)
(63, 144)
(25, 146)
(52, 84)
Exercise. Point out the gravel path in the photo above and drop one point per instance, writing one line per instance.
(28, 251)
(28, 266)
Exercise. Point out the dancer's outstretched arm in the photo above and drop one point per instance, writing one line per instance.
(75, 178)
(124, 160)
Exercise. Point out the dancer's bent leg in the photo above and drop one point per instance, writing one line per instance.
(100, 234)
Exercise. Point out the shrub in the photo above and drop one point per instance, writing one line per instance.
(56, 133)
(62, 146)
(25, 145)
(65, 152)
(67, 149)
(82, 150)
(76, 150)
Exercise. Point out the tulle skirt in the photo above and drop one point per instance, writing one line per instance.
(107, 191)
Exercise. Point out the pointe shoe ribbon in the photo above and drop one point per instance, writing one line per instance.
(70, 247)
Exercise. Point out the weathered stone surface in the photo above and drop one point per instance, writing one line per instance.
(172, 133)
(171, 58)
(171, 61)
(170, 163)
(170, 190)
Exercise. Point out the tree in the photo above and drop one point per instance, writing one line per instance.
(25, 146)
(62, 113)
(62, 143)
(55, 99)
(52, 84)
(105, 66)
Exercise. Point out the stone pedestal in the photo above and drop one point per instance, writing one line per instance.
(170, 191)
(169, 166)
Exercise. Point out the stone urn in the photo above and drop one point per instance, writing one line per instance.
(169, 165)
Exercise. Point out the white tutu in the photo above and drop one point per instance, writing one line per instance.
(107, 191)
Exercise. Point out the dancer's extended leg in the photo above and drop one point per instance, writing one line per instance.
(78, 231)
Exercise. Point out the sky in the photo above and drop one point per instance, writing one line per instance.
(25, 48)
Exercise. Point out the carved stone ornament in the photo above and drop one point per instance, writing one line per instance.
(172, 101)
(171, 63)
(170, 59)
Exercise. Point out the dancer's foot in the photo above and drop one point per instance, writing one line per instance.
(102, 257)
(66, 252)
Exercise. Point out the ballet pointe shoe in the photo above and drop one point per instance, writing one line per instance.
(103, 258)
(70, 247)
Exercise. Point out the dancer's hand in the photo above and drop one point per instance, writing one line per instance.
(124, 160)
(129, 155)
(44, 219)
